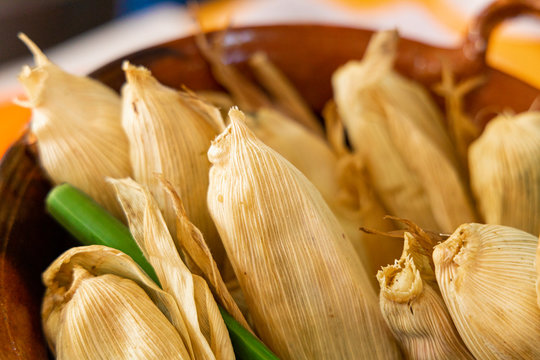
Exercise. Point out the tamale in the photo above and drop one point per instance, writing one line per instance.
(397, 129)
(487, 278)
(207, 332)
(414, 310)
(505, 171)
(100, 305)
(339, 178)
(306, 289)
(77, 123)
(538, 274)
(169, 135)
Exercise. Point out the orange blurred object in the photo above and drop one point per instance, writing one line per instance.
(13, 120)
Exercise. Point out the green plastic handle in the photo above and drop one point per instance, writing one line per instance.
(91, 224)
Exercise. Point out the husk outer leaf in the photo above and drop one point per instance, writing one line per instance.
(505, 175)
(414, 310)
(90, 289)
(487, 278)
(77, 124)
(299, 273)
(207, 332)
(169, 133)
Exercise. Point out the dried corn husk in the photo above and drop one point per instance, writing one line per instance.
(305, 150)
(397, 130)
(77, 124)
(365, 209)
(358, 196)
(306, 290)
(207, 332)
(100, 305)
(463, 131)
(245, 94)
(168, 134)
(311, 155)
(414, 309)
(487, 278)
(340, 180)
(284, 93)
(221, 100)
(538, 274)
(199, 257)
(505, 171)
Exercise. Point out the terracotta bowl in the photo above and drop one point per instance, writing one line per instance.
(308, 54)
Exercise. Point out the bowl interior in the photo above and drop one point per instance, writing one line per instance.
(307, 54)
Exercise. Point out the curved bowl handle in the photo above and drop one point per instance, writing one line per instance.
(476, 42)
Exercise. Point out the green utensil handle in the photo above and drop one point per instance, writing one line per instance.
(91, 224)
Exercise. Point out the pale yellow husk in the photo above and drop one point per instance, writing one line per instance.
(306, 289)
(208, 335)
(398, 131)
(286, 96)
(245, 94)
(463, 131)
(249, 96)
(487, 277)
(303, 148)
(221, 100)
(199, 258)
(538, 274)
(339, 178)
(415, 311)
(100, 305)
(170, 134)
(505, 171)
(77, 124)
(358, 196)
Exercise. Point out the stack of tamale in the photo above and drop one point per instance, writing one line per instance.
(254, 206)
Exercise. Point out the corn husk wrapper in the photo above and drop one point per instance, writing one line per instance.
(414, 310)
(340, 180)
(365, 210)
(284, 93)
(220, 100)
(247, 95)
(169, 135)
(538, 274)
(77, 124)
(100, 305)
(199, 258)
(311, 155)
(358, 195)
(487, 278)
(463, 131)
(397, 130)
(306, 289)
(207, 332)
(303, 148)
(505, 174)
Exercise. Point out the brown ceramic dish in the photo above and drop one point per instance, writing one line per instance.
(308, 54)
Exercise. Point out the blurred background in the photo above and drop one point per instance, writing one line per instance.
(82, 35)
